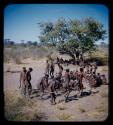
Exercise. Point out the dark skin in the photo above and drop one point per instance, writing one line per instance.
(28, 75)
(23, 77)
(44, 83)
(67, 80)
(47, 67)
(51, 68)
(60, 69)
(80, 78)
(51, 89)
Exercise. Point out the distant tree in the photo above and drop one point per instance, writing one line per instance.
(12, 42)
(34, 43)
(23, 44)
(103, 44)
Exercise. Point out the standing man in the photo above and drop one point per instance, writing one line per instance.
(23, 81)
(81, 75)
(52, 67)
(47, 67)
(51, 89)
(29, 81)
(67, 80)
(60, 69)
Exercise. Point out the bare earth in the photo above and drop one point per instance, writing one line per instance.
(89, 108)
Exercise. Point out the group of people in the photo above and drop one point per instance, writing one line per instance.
(64, 81)
(25, 81)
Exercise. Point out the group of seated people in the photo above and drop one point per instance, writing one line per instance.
(71, 80)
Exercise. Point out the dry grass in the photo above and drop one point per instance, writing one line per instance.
(64, 116)
(82, 110)
(104, 94)
(61, 107)
(18, 53)
(18, 60)
(93, 114)
(105, 68)
(20, 109)
(101, 108)
(8, 69)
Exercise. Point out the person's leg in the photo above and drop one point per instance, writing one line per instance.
(54, 98)
(23, 90)
(51, 100)
(81, 89)
(27, 91)
(42, 92)
(50, 73)
(29, 88)
(67, 95)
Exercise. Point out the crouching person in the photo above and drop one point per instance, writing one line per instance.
(51, 89)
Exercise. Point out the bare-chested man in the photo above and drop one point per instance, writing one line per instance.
(94, 68)
(29, 80)
(60, 69)
(43, 84)
(47, 67)
(52, 67)
(81, 75)
(23, 82)
(51, 89)
(67, 80)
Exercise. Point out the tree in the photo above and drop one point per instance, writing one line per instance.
(54, 33)
(73, 36)
(34, 43)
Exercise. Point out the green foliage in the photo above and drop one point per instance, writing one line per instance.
(70, 36)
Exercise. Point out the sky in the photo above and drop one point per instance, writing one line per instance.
(20, 20)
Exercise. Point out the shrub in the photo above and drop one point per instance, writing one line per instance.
(64, 116)
(20, 109)
(61, 107)
(82, 110)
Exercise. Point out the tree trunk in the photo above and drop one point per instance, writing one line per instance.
(73, 56)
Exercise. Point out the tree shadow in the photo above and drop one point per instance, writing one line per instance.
(84, 94)
(35, 91)
(45, 98)
(71, 98)
(59, 94)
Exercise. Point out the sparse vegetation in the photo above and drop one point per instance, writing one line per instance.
(20, 109)
(104, 94)
(105, 68)
(101, 108)
(61, 107)
(64, 116)
(82, 110)
(8, 69)
(17, 53)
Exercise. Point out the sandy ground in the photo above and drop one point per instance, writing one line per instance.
(89, 108)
